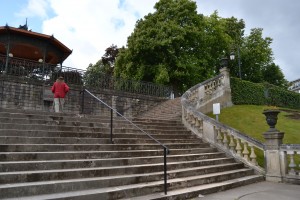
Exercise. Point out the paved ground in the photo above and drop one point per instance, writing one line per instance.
(258, 191)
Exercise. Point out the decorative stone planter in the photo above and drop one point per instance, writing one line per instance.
(271, 118)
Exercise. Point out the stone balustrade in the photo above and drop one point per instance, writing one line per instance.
(199, 100)
(290, 162)
(233, 142)
(281, 161)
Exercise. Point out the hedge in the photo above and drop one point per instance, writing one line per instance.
(245, 92)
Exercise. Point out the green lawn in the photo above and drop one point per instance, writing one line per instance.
(249, 120)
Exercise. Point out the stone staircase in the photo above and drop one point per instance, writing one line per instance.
(170, 110)
(65, 156)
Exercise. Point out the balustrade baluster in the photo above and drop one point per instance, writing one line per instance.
(219, 136)
(231, 143)
(253, 155)
(292, 164)
(193, 120)
(246, 151)
(238, 147)
(190, 119)
(186, 116)
(197, 122)
(225, 140)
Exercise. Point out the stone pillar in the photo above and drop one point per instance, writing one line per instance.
(273, 140)
(226, 99)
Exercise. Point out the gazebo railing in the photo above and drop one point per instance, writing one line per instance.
(48, 73)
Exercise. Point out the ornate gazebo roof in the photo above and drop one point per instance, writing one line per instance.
(23, 43)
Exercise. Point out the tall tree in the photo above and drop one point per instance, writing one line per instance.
(167, 47)
(256, 54)
(273, 74)
(102, 71)
(110, 55)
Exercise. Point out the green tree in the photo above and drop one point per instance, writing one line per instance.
(256, 55)
(100, 74)
(167, 47)
(109, 58)
(273, 74)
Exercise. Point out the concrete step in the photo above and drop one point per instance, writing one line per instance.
(88, 172)
(71, 155)
(199, 191)
(100, 190)
(94, 147)
(39, 115)
(11, 166)
(73, 140)
(117, 129)
(102, 123)
(45, 133)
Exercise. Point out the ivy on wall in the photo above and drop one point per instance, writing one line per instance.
(245, 92)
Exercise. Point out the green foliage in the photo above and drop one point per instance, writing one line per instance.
(167, 47)
(273, 75)
(109, 58)
(245, 92)
(95, 74)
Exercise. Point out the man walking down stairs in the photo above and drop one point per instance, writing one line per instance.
(62, 156)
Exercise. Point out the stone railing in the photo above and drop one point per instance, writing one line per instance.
(200, 99)
(290, 162)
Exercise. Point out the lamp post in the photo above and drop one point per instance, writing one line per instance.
(232, 57)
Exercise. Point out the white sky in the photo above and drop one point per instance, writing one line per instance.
(88, 27)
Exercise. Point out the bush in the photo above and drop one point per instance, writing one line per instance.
(245, 92)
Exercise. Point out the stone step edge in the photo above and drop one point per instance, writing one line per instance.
(149, 184)
(109, 159)
(110, 167)
(202, 189)
(11, 185)
(76, 144)
(49, 126)
(94, 138)
(72, 115)
(105, 151)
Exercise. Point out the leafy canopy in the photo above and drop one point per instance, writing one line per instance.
(178, 47)
(167, 47)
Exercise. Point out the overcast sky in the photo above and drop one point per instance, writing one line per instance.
(88, 27)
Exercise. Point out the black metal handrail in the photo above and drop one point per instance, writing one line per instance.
(166, 149)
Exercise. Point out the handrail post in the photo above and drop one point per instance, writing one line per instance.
(82, 102)
(111, 126)
(165, 170)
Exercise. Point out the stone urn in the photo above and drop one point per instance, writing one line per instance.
(271, 118)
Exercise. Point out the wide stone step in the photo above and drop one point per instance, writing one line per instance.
(36, 115)
(71, 140)
(6, 166)
(201, 190)
(119, 129)
(94, 147)
(99, 190)
(37, 133)
(62, 174)
(105, 124)
(70, 155)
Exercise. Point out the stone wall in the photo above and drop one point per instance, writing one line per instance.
(19, 93)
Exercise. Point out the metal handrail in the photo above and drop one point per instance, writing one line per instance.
(166, 149)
